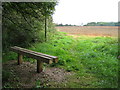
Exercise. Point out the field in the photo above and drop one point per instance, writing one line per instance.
(90, 61)
(90, 30)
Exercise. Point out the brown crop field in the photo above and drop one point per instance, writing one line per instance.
(111, 31)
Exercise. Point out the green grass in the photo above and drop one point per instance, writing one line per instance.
(95, 57)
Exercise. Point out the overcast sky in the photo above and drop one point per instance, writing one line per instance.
(83, 11)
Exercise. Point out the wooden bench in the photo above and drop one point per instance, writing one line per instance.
(40, 57)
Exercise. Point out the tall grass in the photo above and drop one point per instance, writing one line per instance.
(95, 55)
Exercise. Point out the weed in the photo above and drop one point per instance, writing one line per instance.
(38, 84)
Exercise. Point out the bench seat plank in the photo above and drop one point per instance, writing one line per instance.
(55, 59)
(33, 55)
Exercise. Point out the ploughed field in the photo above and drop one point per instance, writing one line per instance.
(111, 31)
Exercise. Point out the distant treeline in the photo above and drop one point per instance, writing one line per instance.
(103, 24)
(94, 24)
(65, 25)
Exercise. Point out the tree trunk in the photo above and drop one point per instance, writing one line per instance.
(45, 28)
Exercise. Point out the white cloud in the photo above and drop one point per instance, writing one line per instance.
(83, 11)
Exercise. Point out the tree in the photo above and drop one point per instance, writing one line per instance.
(23, 23)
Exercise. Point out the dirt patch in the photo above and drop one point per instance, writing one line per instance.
(28, 77)
(74, 35)
(110, 31)
(89, 35)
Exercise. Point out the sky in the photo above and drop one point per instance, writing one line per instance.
(80, 12)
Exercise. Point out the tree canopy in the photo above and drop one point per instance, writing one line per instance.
(23, 22)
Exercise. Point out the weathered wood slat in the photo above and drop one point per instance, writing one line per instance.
(55, 59)
(36, 52)
(33, 55)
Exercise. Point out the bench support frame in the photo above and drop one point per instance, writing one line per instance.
(40, 57)
(20, 59)
(39, 66)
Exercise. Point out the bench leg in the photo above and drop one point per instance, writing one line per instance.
(39, 66)
(20, 59)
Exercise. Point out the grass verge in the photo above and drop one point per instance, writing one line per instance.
(93, 59)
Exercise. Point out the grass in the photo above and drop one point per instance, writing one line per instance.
(93, 59)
